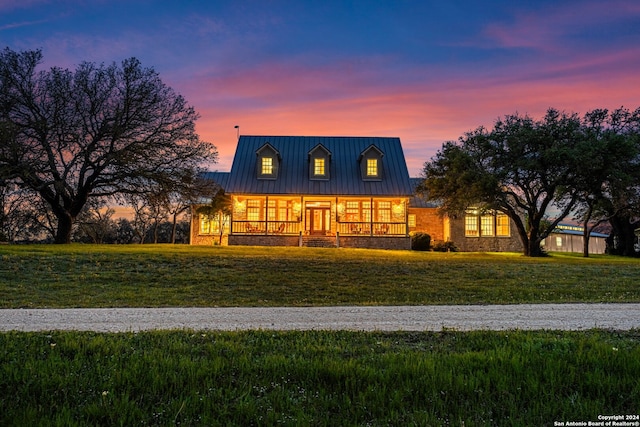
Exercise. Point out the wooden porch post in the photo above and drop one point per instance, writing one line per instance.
(266, 215)
(371, 217)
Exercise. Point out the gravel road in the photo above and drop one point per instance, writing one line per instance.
(386, 318)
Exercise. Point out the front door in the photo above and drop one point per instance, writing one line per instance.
(318, 221)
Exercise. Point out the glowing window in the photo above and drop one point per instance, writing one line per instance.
(486, 225)
(372, 167)
(471, 226)
(502, 225)
(384, 211)
(366, 211)
(267, 166)
(353, 211)
(412, 220)
(254, 207)
(318, 167)
(207, 224)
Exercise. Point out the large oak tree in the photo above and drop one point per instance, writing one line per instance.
(609, 181)
(100, 130)
(522, 168)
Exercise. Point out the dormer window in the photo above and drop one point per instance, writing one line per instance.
(267, 166)
(371, 164)
(318, 167)
(372, 168)
(319, 163)
(268, 162)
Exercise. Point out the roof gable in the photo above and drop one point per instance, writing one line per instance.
(344, 166)
(319, 163)
(319, 149)
(268, 162)
(372, 149)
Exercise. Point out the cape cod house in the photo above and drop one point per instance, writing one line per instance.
(313, 191)
(340, 191)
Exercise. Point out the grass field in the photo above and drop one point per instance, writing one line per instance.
(163, 275)
(189, 378)
(317, 378)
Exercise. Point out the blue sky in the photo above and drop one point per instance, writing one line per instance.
(424, 71)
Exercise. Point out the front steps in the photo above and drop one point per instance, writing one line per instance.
(318, 242)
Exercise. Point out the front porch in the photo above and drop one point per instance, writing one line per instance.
(347, 221)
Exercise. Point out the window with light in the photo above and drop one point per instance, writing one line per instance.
(318, 167)
(502, 225)
(267, 166)
(486, 225)
(207, 224)
(471, 226)
(384, 211)
(254, 207)
(372, 167)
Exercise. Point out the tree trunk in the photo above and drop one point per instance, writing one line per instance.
(220, 226)
(63, 232)
(623, 236)
(173, 229)
(533, 249)
(532, 241)
(585, 241)
(585, 231)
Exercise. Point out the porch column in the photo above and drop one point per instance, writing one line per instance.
(406, 217)
(266, 215)
(302, 216)
(233, 208)
(371, 217)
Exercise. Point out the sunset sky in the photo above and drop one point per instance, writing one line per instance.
(424, 71)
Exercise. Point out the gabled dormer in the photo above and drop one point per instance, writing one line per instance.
(319, 163)
(371, 164)
(267, 162)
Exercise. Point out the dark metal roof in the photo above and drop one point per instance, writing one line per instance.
(576, 230)
(293, 174)
(220, 178)
(419, 201)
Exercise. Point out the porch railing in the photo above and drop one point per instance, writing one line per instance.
(270, 227)
(376, 228)
(344, 228)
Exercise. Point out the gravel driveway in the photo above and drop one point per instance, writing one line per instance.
(386, 318)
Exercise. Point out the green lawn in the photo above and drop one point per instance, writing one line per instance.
(192, 378)
(317, 378)
(163, 275)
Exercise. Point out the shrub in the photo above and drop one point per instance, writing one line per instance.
(447, 246)
(420, 241)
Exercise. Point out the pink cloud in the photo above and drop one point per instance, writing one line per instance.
(20, 24)
(277, 100)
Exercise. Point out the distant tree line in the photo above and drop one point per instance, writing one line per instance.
(541, 172)
(24, 220)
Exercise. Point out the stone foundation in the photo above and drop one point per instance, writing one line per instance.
(208, 240)
(263, 240)
(367, 242)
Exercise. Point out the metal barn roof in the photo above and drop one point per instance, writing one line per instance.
(419, 201)
(220, 178)
(344, 173)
